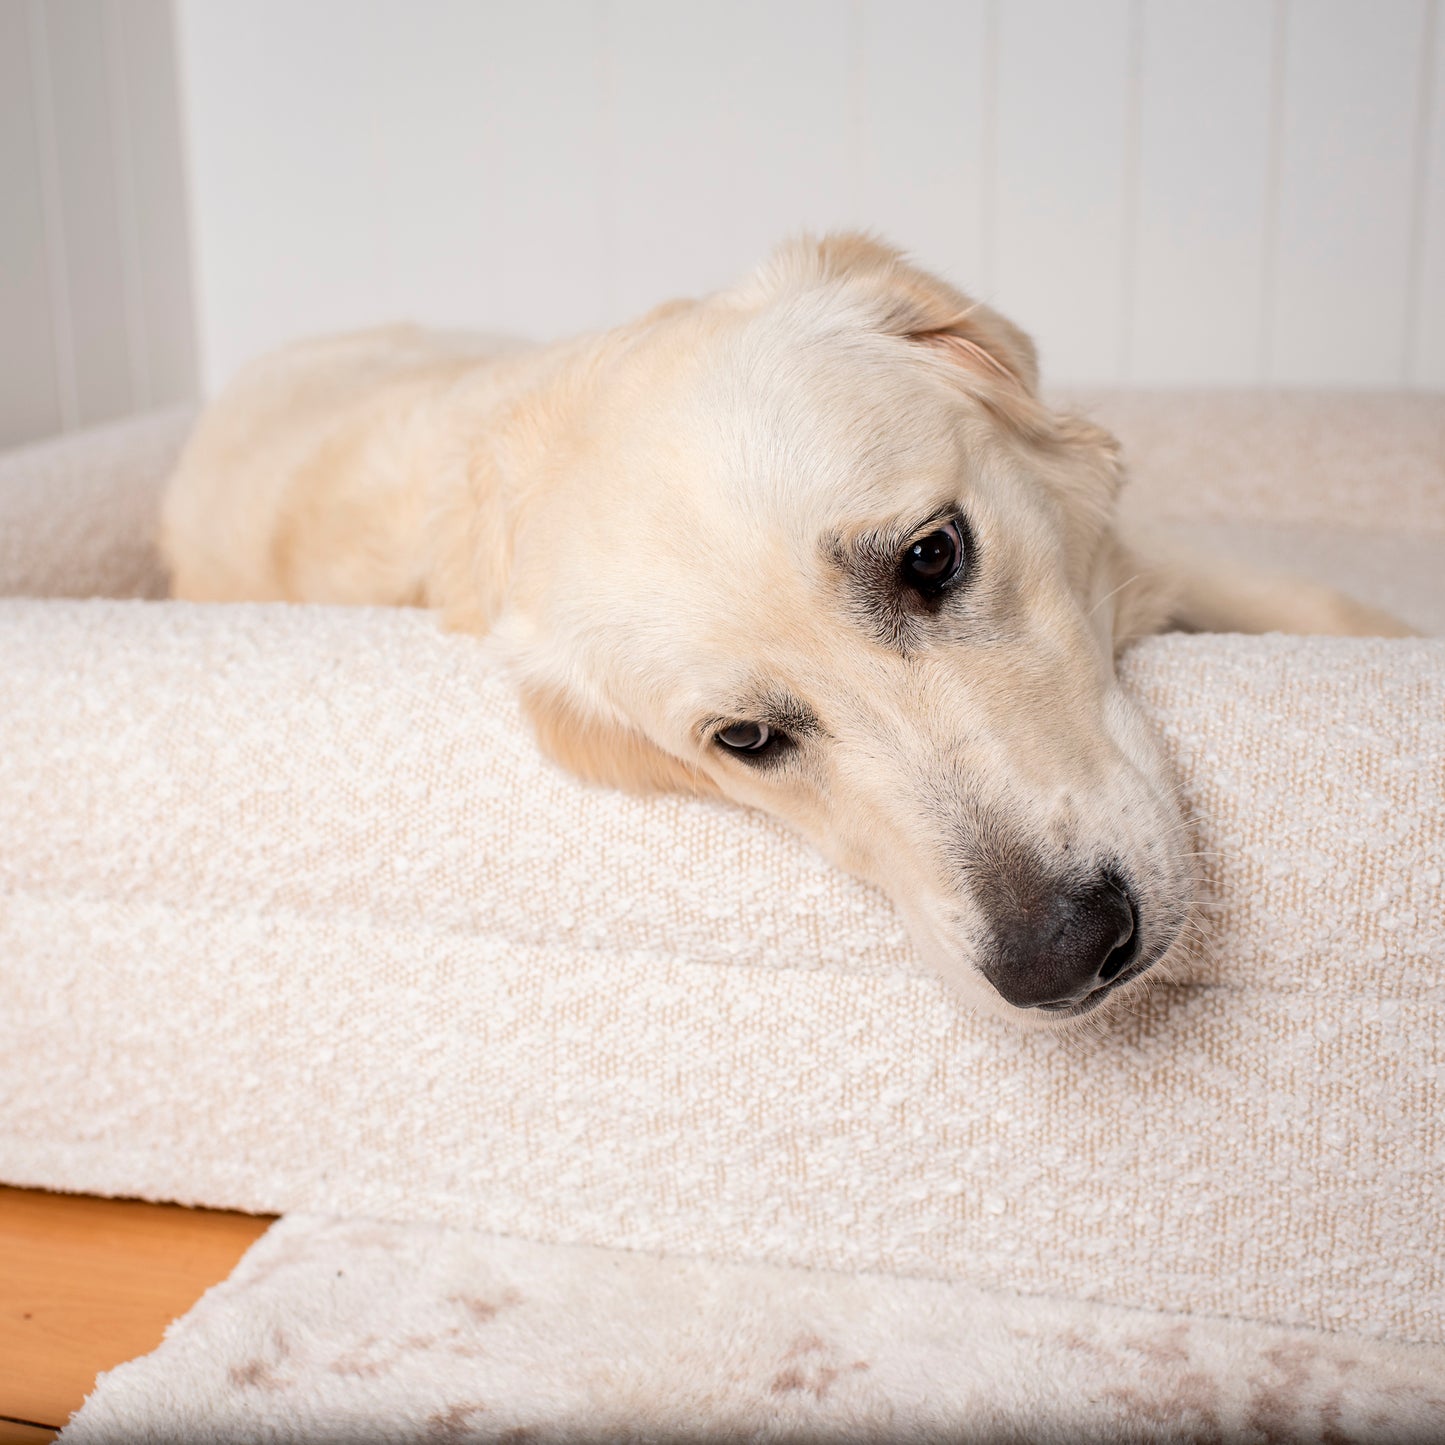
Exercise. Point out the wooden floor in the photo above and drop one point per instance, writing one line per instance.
(87, 1283)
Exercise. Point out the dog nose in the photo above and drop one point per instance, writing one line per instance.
(1053, 951)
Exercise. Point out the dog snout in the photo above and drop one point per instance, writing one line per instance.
(1055, 948)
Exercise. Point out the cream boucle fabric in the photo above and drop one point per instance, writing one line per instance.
(293, 917)
(1346, 488)
(1367, 461)
(78, 516)
(347, 1331)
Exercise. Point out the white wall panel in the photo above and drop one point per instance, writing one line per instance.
(90, 233)
(1198, 299)
(731, 131)
(291, 225)
(493, 163)
(95, 300)
(1427, 329)
(1061, 168)
(150, 178)
(441, 162)
(1161, 190)
(1346, 189)
(29, 377)
(922, 90)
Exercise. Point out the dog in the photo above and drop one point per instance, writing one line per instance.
(814, 544)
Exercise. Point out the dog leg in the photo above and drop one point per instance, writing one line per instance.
(1210, 594)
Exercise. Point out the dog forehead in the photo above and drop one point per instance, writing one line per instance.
(756, 432)
(711, 498)
(847, 420)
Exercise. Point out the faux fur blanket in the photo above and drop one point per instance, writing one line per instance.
(343, 1332)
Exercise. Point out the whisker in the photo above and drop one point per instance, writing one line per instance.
(1114, 593)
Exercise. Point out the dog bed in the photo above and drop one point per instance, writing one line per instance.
(293, 917)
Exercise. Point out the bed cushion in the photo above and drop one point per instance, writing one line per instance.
(295, 918)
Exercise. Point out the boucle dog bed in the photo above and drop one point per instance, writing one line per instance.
(294, 918)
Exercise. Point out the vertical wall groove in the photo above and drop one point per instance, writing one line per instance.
(67, 388)
(607, 145)
(1409, 350)
(202, 317)
(1279, 42)
(1133, 142)
(123, 155)
(988, 162)
(857, 103)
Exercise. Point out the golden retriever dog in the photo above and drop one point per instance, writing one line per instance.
(813, 544)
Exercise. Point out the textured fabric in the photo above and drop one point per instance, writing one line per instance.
(339, 1331)
(1402, 572)
(78, 516)
(295, 918)
(1357, 460)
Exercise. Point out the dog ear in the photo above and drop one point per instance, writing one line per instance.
(609, 753)
(878, 288)
(890, 294)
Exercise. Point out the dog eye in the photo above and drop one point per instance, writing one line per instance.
(748, 737)
(935, 561)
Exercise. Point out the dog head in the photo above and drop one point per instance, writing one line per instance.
(816, 545)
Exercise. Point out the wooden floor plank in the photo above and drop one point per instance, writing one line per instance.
(88, 1283)
(17, 1432)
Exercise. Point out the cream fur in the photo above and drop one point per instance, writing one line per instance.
(652, 521)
